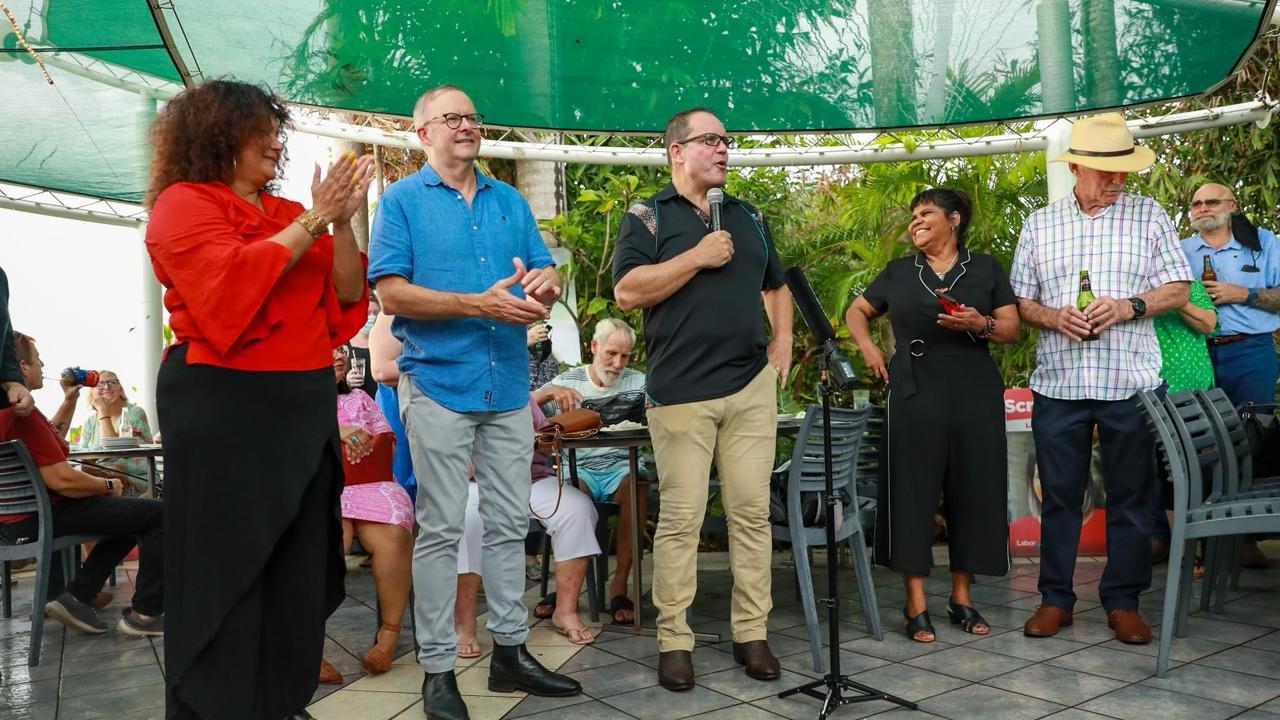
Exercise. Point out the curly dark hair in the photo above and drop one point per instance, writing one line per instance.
(950, 201)
(198, 133)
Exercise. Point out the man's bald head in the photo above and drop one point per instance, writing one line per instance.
(1211, 207)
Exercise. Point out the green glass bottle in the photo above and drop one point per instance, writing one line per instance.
(1084, 299)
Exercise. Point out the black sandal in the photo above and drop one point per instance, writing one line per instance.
(550, 602)
(620, 602)
(967, 618)
(919, 624)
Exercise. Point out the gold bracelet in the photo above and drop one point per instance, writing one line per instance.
(311, 221)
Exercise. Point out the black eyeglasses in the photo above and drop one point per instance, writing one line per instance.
(453, 121)
(1211, 202)
(709, 139)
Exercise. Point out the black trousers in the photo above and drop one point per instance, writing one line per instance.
(1063, 431)
(129, 522)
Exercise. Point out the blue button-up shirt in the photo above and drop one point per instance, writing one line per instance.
(425, 232)
(1229, 262)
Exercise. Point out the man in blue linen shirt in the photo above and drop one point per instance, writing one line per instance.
(1246, 293)
(457, 259)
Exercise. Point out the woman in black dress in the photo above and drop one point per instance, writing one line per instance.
(945, 409)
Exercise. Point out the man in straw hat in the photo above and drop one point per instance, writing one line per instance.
(1091, 362)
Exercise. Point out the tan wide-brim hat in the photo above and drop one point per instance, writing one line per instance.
(1103, 142)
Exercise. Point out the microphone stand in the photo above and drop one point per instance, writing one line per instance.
(835, 683)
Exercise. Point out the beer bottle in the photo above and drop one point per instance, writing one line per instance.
(1084, 299)
(1208, 273)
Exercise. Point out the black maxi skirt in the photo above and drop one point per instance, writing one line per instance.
(253, 540)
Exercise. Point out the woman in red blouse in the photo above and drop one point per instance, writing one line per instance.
(259, 292)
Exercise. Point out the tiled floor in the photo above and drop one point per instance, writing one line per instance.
(1227, 667)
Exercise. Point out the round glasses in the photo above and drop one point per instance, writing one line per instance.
(453, 121)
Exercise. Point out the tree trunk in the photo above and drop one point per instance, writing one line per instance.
(893, 62)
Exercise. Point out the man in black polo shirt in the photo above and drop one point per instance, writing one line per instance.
(712, 374)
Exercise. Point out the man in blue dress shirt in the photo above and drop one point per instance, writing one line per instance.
(458, 260)
(1246, 293)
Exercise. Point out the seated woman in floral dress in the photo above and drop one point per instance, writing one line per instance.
(379, 513)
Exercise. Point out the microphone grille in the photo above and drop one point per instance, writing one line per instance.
(715, 196)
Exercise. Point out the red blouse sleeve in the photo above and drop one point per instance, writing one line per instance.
(222, 280)
(346, 320)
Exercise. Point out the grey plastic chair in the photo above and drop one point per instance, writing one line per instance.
(1222, 558)
(805, 474)
(22, 491)
(1188, 447)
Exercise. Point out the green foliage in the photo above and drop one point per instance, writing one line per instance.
(589, 229)
(842, 224)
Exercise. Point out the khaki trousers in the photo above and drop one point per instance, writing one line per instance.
(738, 432)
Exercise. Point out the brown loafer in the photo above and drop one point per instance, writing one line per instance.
(758, 659)
(675, 670)
(1129, 627)
(1047, 621)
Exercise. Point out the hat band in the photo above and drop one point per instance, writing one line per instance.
(1102, 153)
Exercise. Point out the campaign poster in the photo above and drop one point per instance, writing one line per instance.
(1024, 485)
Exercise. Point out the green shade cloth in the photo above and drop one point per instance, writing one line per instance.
(606, 65)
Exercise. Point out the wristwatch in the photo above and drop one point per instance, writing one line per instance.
(1252, 300)
(1139, 307)
(111, 485)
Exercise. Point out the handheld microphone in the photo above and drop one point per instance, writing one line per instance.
(715, 198)
(840, 370)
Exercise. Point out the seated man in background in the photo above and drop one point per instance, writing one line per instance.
(86, 505)
(32, 372)
(570, 520)
(606, 472)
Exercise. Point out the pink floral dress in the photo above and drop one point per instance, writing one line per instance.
(382, 502)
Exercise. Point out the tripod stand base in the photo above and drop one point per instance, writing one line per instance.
(834, 696)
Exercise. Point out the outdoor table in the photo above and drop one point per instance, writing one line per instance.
(633, 440)
(148, 451)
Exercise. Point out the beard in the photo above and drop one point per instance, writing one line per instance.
(607, 378)
(1211, 222)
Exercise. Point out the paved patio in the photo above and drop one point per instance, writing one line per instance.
(1228, 666)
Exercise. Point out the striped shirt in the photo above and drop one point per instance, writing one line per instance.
(1129, 248)
(630, 381)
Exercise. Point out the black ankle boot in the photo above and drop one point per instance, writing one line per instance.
(441, 699)
(513, 668)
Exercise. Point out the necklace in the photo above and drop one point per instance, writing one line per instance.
(943, 274)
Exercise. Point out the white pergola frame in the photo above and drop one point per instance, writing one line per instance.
(825, 149)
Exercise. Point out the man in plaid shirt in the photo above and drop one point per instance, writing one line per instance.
(1137, 271)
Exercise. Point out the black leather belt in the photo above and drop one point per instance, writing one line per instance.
(1224, 339)
(906, 352)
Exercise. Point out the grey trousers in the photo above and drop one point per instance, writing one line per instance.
(441, 443)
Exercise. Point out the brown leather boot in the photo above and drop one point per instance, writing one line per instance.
(758, 659)
(1047, 621)
(675, 670)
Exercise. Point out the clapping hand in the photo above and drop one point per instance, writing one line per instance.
(499, 303)
(538, 284)
(338, 195)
